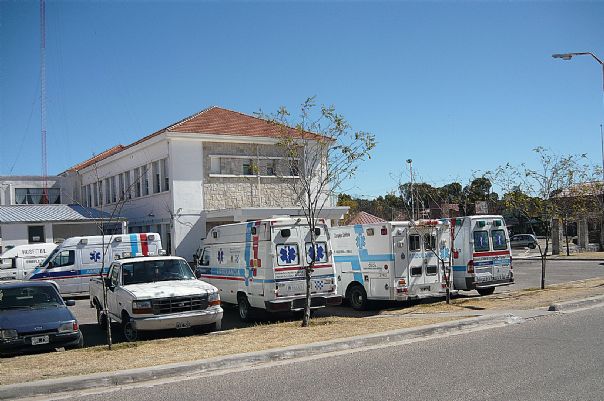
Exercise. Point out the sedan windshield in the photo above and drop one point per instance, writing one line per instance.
(156, 270)
(29, 297)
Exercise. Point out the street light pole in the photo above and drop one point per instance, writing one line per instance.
(568, 56)
(410, 162)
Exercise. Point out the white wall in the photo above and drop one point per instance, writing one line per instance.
(186, 165)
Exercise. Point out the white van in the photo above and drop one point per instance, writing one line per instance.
(77, 259)
(261, 264)
(391, 260)
(482, 258)
(17, 262)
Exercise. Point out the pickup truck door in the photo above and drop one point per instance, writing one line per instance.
(112, 292)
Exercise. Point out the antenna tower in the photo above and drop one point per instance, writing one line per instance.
(43, 97)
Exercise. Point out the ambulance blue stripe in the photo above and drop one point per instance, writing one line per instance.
(134, 244)
(459, 268)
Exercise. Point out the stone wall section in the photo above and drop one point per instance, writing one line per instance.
(249, 191)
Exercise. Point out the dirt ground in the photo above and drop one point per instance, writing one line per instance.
(265, 336)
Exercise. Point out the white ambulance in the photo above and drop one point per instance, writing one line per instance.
(17, 262)
(77, 259)
(482, 257)
(261, 264)
(391, 260)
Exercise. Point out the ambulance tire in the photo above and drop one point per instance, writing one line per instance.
(357, 297)
(486, 291)
(245, 309)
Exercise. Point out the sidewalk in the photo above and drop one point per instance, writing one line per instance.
(418, 322)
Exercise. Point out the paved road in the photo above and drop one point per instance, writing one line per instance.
(527, 274)
(559, 357)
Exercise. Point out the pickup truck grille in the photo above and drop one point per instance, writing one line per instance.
(179, 304)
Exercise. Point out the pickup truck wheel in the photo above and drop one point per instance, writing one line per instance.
(129, 331)
(357, 298)
(101, 318)
(486, 291)
(244, 307)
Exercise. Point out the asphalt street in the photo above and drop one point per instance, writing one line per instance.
(559, 357)
(526, 272)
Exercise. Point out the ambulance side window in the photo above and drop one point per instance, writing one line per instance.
(205, 257)
(481, 241)
(64, 258)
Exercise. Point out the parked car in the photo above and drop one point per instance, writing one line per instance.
(523, 240)
(33, 316)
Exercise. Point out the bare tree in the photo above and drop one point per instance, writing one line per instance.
(532, 192)
(322, 152)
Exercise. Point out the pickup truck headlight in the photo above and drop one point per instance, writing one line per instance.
(68, 327)
(213, 299)
(141, 307)
(8, 334)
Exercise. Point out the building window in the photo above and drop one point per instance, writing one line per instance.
(294, 170)
(95, 190)
(270, 168)
(107, 191)
(100, 193)
(127, 185)
(35, 234)
(155, 177)
(145, 181)
(137, 182)
(113, 190)
(35, 196)
(121, 186)
(166, 174)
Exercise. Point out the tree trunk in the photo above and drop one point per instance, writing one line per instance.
(306, 317)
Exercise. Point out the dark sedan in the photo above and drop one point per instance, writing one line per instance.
(33, 316)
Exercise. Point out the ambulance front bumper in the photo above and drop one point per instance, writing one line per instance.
(296, 304)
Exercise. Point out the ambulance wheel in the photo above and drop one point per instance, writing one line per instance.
(486, 291)
(244, 307)
(357, 297)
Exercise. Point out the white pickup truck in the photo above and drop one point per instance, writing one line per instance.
(155, 293)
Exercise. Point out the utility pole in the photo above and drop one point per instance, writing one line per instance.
(410, 162)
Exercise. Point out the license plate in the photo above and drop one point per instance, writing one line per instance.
(40, 340)
(183, 325)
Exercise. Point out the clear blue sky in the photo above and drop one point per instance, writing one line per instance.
(457, 87)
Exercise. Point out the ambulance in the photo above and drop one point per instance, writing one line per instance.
(482, 257)
(261, 265)
(17, 262)
(391, 260)
(77, 259)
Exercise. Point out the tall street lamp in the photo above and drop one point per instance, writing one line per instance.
(568, 56)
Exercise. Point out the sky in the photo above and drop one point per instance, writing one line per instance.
(458, 87)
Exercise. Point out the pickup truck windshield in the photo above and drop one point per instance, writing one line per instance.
(156, 270)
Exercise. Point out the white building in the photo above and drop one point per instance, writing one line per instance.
(214, 167)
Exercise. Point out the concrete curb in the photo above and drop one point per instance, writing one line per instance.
(558, 259)
(110, 379)
(118, 378)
